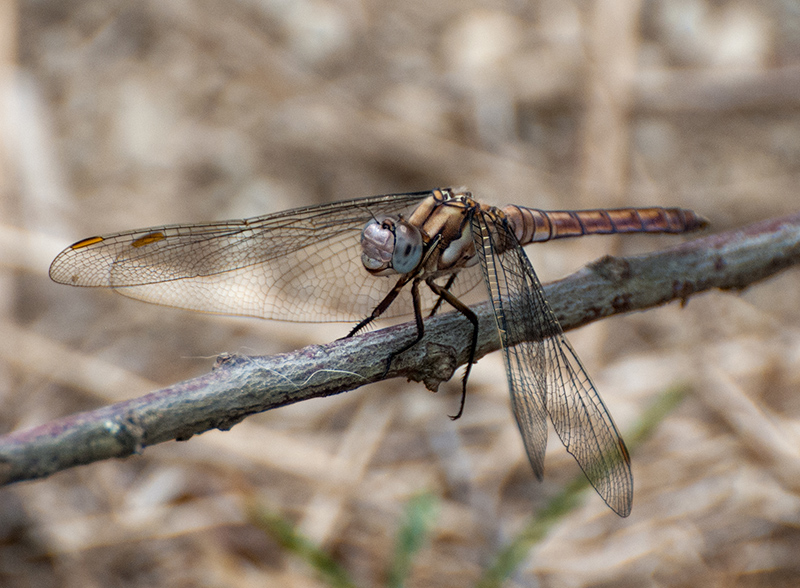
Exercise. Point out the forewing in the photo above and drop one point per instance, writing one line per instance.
(298, 265)
(544, 371)
(525, 366)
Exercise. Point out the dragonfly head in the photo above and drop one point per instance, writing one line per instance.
(390, 245)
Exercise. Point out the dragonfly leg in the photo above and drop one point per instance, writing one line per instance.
(386, 303)
(445, 294)
(447, 287)
(381, 308)
(420, 326)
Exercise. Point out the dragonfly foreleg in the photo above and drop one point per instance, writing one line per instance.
(386, 303)
(445, 294)
(381, 308)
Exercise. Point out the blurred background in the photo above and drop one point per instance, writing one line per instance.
(118, 115)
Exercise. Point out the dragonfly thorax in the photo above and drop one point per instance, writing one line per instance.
(390, 245)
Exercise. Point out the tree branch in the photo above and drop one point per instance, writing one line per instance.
(239, 386)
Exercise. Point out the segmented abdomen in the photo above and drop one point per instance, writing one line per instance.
(532, 225)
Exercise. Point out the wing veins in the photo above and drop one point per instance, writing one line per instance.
(576, 410)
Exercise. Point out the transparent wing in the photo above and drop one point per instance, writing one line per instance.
(297, 265)
(545, 375)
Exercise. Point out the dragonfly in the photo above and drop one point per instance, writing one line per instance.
(352, 260)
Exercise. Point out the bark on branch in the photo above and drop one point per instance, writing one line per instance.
(239, 386)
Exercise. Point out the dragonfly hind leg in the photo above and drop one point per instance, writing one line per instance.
(444, 294)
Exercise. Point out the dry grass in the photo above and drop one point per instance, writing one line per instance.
(124, 114)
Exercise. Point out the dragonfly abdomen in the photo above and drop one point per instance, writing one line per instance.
(532, 225)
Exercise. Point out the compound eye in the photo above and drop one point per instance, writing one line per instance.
(407, 248)
(377, 245)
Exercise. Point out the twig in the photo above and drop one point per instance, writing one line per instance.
(239, 386)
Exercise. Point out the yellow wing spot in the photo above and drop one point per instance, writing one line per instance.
(148, 239)
(86, 242)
